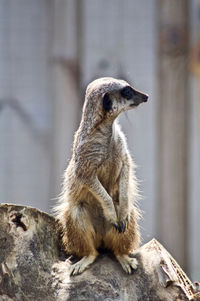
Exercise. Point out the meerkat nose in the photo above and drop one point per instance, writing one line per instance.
(145, 97)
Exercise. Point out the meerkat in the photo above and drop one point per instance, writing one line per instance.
(97, 203)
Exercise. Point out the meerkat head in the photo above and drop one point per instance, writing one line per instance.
(106, 98)
(110, 96)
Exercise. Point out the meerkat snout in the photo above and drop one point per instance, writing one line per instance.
(122, 99)
(136, 96)
(139, 97)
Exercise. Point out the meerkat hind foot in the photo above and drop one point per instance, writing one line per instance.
(82, 265)
(128, 263)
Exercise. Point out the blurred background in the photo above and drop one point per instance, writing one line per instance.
(51, 49)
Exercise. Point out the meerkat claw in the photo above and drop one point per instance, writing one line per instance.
(128, 263)
(82, 265)
(121, 226)
(115, 226)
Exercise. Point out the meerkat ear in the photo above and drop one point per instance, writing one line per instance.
(107, 102)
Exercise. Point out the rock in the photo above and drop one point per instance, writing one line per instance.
(34, 267)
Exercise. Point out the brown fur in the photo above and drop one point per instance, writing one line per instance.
(97, 204)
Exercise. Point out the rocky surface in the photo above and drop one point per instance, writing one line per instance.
(33, 267)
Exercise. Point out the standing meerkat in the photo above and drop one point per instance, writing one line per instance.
(96, 206)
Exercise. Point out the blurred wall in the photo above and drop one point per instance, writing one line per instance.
(25, 109)
(49, 51)
(194, 142)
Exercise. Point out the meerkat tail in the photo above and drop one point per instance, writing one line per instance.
(127, 263)
(83, 264)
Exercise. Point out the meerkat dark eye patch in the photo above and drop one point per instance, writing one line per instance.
(107, 103)
(127, 92)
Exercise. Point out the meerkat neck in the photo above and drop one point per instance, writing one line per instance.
(106, 126)
(90, 125)
(106, 130)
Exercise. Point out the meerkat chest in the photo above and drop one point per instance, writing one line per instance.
(109, 171)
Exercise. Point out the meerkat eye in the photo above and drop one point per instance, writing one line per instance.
(127, 92)
(107, 103)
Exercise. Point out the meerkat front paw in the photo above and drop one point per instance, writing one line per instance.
(122, 225)
(128, 263)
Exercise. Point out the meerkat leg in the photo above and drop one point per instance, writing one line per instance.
(100, 193)
(79, 238)
(127, 186)
(124, 243)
